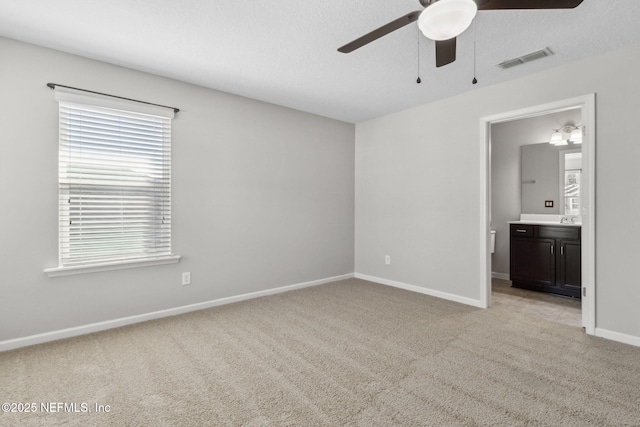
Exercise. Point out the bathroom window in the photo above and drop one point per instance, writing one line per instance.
(572, 192)
(571, 170)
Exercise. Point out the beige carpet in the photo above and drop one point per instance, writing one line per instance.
(346, 353)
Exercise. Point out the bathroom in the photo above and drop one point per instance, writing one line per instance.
(528, 179)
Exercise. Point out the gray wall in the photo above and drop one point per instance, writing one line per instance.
(418, 197)
(262, 197)
(507, 138)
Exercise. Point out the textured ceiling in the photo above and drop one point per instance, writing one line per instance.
(284, 51)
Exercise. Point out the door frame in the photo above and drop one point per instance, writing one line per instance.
(587, 103)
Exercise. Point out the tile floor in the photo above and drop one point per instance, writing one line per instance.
(548, 306)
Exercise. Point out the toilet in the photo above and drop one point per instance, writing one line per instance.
(493, 241)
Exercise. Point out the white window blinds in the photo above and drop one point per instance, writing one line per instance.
(114, 180)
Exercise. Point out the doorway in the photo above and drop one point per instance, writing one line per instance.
(587, 105)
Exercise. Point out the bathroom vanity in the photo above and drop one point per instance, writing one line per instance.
(546, 257)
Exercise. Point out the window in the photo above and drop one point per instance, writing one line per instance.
(572, 192)
(570, 188)
(114, 183)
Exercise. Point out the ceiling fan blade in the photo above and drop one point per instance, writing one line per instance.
(445, 52)
(527, 4)
(380, 32)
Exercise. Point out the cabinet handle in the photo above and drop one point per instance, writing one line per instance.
(561, 250)
(521, 231)
(552, 249)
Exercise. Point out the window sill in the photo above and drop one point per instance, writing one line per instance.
(108, 266)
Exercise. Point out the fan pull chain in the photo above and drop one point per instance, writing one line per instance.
(418, 81)
(474, 81)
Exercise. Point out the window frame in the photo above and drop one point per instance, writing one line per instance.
(563, 172)
(65, 96)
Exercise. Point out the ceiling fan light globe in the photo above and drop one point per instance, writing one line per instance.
(446, 19)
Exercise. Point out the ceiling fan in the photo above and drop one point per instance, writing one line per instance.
(444, 20)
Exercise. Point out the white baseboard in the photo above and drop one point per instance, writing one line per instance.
(617, 336)
(115, 323)
(503, 276)
(421, 290)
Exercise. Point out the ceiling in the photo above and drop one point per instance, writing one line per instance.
(285, 51)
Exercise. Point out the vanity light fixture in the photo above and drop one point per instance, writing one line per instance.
(557, 139)
(575, 135)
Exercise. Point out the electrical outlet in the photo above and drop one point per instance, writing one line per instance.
(186, 278)
(387, 259)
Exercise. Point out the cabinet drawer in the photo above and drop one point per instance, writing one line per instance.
(565, 233)
(522, 230)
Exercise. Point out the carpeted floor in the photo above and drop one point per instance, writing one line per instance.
(346, 353)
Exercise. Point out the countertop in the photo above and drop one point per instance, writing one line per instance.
(553, 223)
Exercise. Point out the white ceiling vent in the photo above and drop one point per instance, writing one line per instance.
(526, 58)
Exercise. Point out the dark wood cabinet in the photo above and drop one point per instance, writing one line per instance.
(569, 270)
(546, 258)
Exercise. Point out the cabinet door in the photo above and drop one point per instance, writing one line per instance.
(533, 261)
(570, 266)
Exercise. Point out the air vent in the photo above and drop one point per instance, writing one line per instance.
(526, 58)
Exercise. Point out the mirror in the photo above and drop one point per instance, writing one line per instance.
(550, 179)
